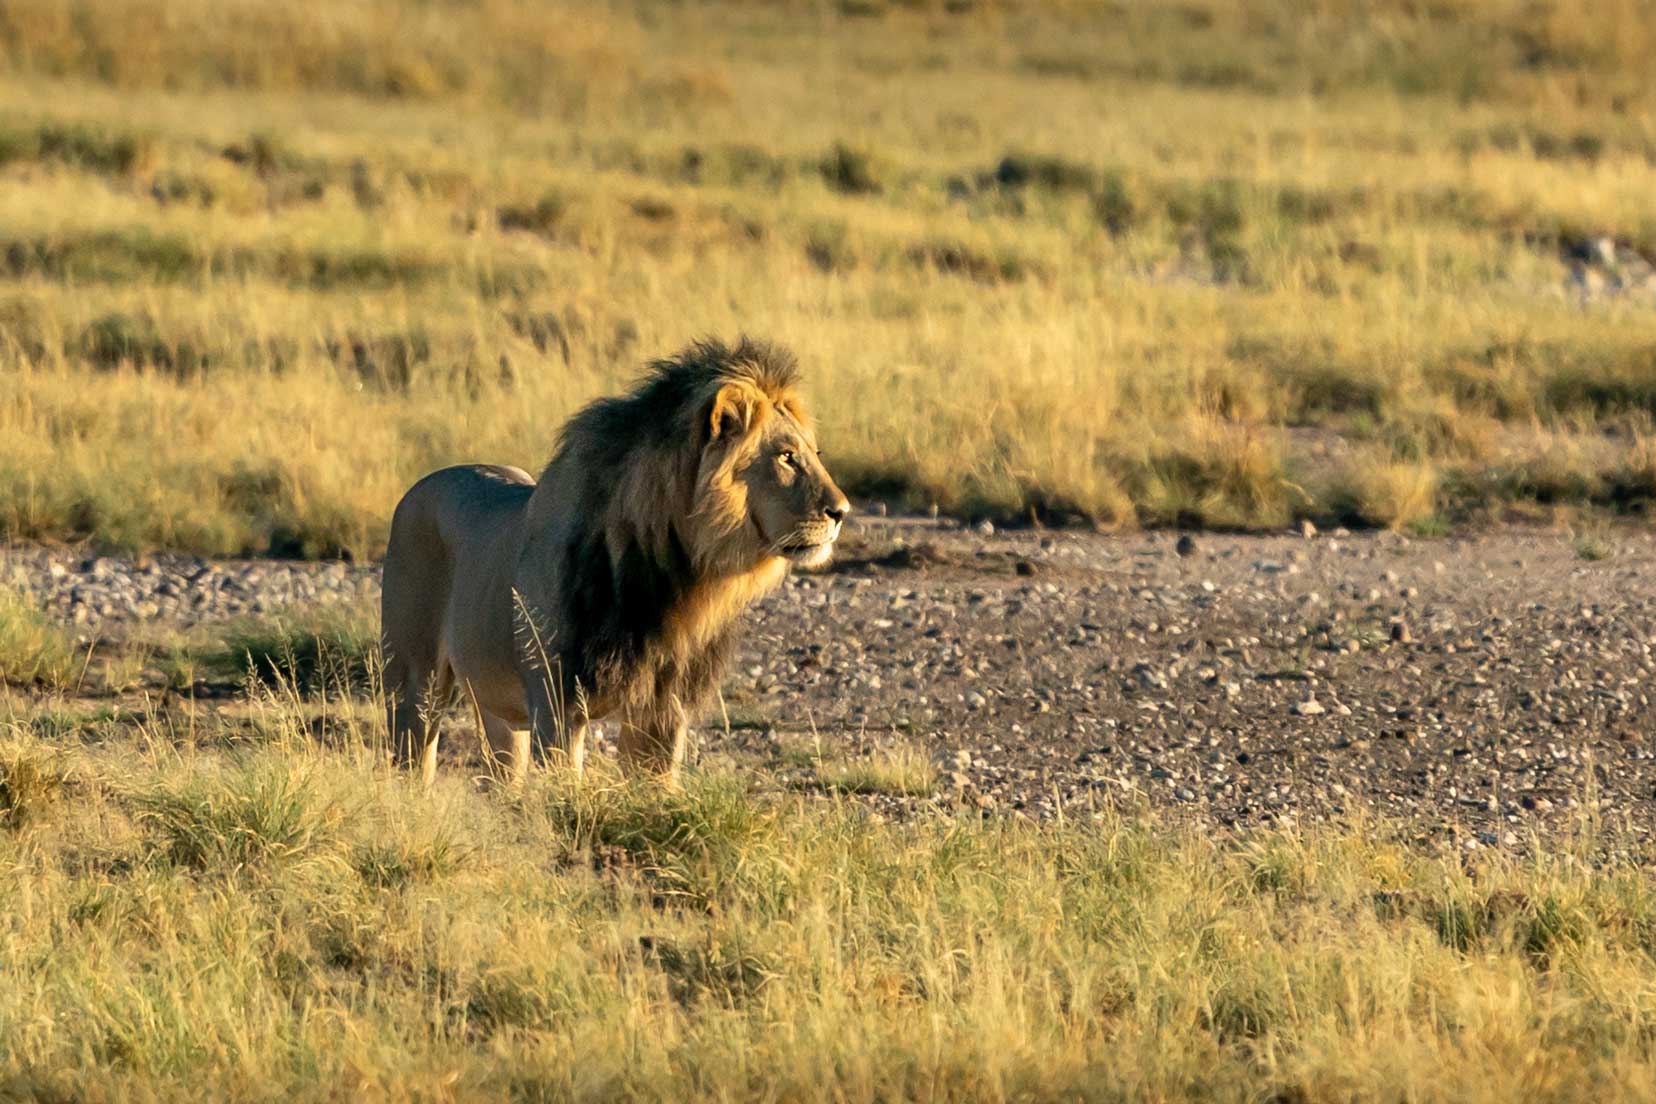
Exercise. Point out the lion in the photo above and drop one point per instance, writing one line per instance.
(610, 586)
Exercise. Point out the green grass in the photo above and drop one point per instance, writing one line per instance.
(195, 912)
(331, 648)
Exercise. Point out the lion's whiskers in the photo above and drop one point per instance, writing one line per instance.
(793, 536)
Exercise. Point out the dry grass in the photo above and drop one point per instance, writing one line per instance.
(249, 902)
(1221, 262)
(33, 649)
(256, 278)
(903, 770)
(328, 649)
(1398, 494)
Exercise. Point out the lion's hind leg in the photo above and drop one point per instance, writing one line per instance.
(508, 748)
(414, 710)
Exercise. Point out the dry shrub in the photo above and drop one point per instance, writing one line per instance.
(1394, 493)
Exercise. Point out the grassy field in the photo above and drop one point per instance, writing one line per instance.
(240, 900)
(230, 894)
(1214, 262)
(1217, 262)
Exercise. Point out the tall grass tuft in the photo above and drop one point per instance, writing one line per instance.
(32, 778)
(327, 648)
(34, 650)
(259, 813)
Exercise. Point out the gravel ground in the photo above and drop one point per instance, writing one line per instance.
(1483, 687)
(106, 594)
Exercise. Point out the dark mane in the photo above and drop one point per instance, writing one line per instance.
(623, 575)
(655, 410)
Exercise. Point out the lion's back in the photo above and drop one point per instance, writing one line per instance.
(453, 545)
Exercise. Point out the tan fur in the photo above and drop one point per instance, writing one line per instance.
(608, 586)
(713, 604)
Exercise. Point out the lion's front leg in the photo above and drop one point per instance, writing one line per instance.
(557, 726)
(655, 742)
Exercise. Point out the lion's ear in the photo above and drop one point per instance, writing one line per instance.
(734, 409)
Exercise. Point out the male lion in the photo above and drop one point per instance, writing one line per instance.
(609, 586)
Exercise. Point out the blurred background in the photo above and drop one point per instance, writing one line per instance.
(1224, 263)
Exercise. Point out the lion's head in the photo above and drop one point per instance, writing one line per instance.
(710, 459)
(666, 511)
(761, 488)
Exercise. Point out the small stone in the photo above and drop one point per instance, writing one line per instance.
(975, 700)
(1148, 677)
(1186, 545)
(1400, 632)
(984, 528)
(1308, 528)
(1310, 707)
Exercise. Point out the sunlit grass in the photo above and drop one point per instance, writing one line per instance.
(34, 649)
(331, 648)
(202, 911)
(904, 771)
(1136, 267)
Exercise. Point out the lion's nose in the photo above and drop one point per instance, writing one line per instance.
(837, 511)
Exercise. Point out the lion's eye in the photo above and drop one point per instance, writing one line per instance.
(787, 458)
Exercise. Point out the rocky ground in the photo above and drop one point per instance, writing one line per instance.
(1484, 687)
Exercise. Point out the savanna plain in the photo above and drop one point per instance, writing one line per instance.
(1345, 796)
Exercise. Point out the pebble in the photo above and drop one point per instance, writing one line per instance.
(1115, 672)
(185, 590)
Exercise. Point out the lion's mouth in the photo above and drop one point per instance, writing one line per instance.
(808, 554)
